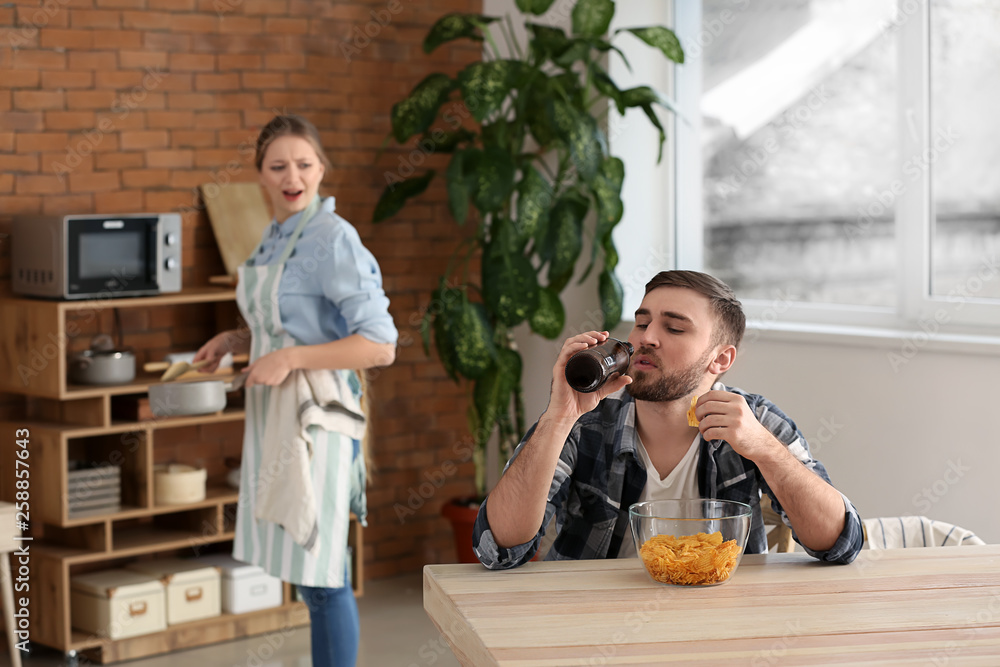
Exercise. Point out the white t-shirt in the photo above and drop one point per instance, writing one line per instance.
(682, 482)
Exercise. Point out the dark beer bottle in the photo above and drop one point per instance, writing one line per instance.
(589, 369)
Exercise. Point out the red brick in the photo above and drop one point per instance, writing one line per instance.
(126, 201)
(286, 26)
(239, 61)
(68, 79)
(94, 18)
(6, 183)
(230, 24)
(190, 101)
(142, 140)
(145, 178)
(174, 5)
(94, 181)
(64, 204)
(237, 101)
(106, 161)
(171, 159)
(37, 184)
(142, 59)
(261, 7)
(22, 204)
(192, 62)
(69, 120)
(38, 60)
(96, 60)
(170, 42)
(21, 120)
(217, 82)
(32, 100)
(28, 142)
(125, 79)
(122, 39)
(29, 17)
(213, 159)
(90, 99)
(167, 201)
(146, 20)
(53, 38)
(121, 4)
(263, 80)
(194, 23)
(193, 139)
(169, 119)
(181, 179)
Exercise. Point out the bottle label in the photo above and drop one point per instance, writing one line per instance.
(609, 361)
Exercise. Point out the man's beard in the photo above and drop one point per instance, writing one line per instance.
(648, 387)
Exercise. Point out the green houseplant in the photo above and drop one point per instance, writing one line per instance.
(528, 163)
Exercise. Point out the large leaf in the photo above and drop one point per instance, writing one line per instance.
(440, 141)
(547, 42)
(396, 194)
(580, 132)
(534, 198)
(563, 240)
(591, 18)
(607, 191)
(485, 85)
(644, 95)
(611, 294)
(416, 113)
(497, 134)
(539, 114)
(456, 26)
(606, 86)
(490, 174)
(459, 192)
(510, 285)
(536, 7)
(549, 317)
(661, 38)
(463, 335)
(577, 49)
(492, 394)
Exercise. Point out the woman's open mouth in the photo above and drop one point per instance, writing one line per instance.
(291, 195)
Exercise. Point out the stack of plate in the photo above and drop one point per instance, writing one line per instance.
(94, 490)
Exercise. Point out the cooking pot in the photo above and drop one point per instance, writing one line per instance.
(97, 366)
(199, 397)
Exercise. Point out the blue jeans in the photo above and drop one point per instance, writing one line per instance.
(333, 614)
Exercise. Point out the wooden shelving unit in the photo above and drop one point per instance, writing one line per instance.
(65, 419)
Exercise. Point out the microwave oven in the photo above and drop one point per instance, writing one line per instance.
(96, 256)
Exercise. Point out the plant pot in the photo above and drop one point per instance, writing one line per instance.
(462, 513)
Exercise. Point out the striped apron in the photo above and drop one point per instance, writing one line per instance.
(263, 543)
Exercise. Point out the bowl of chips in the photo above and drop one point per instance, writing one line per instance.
(690, 542)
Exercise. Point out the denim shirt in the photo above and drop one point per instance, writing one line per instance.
(600, 474)
(331, 286)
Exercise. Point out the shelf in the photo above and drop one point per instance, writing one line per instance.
(141, 384)
(195, 633)
(119, 426)
(214, 496)
(186, 296)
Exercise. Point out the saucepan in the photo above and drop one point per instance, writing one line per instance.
(198, 397)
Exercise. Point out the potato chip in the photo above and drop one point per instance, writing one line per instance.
(690, 560)
(692, 420)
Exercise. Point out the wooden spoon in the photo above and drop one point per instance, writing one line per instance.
(178, 368)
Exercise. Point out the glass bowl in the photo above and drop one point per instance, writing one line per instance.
(695, 542)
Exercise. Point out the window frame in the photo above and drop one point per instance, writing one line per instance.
(952, 318)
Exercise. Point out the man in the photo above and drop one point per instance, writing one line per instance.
(590, 456)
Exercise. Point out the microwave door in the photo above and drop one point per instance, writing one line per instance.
(111, 256)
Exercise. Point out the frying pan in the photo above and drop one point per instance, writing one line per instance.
(200, 397)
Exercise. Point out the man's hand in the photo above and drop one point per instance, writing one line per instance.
(565, 403)
(724, 415)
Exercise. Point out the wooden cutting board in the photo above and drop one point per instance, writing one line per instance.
(238, 215)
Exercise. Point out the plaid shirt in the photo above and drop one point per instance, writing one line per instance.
(600, 474)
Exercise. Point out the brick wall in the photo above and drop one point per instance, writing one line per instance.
(129, 105)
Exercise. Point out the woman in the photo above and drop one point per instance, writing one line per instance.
(312, 297)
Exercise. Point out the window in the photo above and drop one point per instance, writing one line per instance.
(847, 158)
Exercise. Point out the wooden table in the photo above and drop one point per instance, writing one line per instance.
(934, 606)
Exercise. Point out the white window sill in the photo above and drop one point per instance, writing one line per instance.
(904, 341)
